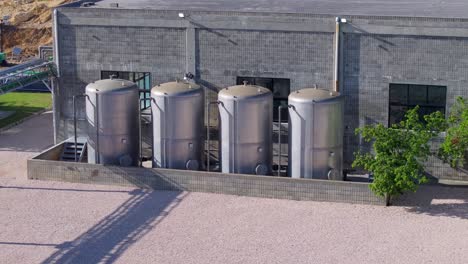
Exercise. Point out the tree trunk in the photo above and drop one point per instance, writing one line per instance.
(388, 199)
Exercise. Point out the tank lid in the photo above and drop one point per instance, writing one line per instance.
(111, 85)
(175, 88)
(243, 91)
(313, 94)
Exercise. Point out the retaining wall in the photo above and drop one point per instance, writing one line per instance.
(198, 181)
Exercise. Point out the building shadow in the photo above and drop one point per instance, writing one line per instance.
(106, 241)
(437, 200)
(60, 189)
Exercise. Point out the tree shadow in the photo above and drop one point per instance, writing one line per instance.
(106, 241)
(437, 200)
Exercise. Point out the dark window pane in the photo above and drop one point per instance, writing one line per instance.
(429, 110)
(417, 95)
(437, 95)
(430, 98)
(125, 76)
(398, 94)
(397, 114)
(281, 88)
(265, 82)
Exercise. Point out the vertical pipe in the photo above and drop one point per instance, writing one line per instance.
(96, 114)
(235, 139)
(56, 42)
(337, 54)
(208, 151)
(1, 36)
(54, 83)
(139, 134)
(164, 133)
(279, 137)
(341, 56)
(75, 122)
(152, 129)
(141, 139)
(313, 136)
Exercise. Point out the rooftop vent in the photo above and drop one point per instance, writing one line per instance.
(114, 5)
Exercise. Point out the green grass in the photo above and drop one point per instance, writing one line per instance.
(24, 105)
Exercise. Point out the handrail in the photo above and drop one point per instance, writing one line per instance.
(279, 136)
(208, 151)
(140, 114)
(75, 122)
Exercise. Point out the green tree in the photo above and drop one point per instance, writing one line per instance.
(398, 152)
(454, 149)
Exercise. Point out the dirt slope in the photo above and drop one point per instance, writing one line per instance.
(30, 24)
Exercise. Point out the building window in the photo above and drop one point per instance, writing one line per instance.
(142, 80)
(280, 89)
(430, 98)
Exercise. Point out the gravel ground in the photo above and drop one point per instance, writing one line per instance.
(51, 222)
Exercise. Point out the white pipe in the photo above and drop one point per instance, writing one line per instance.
(337, 54)
(56, 44)
(55, 82)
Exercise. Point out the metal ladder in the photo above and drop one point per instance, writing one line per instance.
(68, 152)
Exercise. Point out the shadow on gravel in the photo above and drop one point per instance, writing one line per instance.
(109, 238)
(437, 201)
(58, 189)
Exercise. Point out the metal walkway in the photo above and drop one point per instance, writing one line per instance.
(19, 76)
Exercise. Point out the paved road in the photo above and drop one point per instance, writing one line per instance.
(52, 222)
(24, 141)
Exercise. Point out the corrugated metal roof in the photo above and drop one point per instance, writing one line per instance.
(407, 8)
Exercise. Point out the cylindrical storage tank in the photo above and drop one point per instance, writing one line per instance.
(178, 120)
(316, 134)
(113, 116)
(246, 116)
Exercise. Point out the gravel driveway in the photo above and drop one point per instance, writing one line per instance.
(51, 222)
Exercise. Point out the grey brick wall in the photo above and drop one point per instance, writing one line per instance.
(85, 51)
(376, 51)
(306, 58)
(372, 62)
(193, 181)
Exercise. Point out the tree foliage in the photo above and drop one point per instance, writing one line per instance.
(398, 152)
(454, 149)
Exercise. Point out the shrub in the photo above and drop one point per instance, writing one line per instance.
(398, 152)
(454, 149)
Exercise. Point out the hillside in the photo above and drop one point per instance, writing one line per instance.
(30, 24)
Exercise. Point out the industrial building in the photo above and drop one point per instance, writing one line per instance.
(384, 57)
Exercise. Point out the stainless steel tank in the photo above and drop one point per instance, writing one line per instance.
(113, 116)
(246, 116)
(178, 122)
(316, 134)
